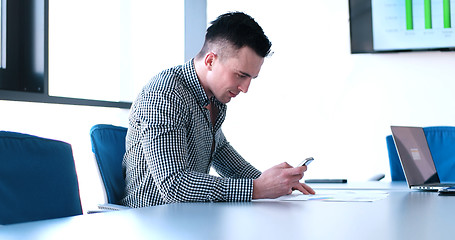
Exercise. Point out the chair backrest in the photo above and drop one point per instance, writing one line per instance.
(37, 179)
(441, 141)
(108, 145)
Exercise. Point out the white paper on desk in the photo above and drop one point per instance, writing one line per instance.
(337, 196)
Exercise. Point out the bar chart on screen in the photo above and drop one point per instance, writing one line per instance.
(444, 17)
(413, 24)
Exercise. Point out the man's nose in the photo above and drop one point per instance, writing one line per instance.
(244, 85)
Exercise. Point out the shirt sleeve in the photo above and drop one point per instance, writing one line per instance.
(229, 163)
(164, 140)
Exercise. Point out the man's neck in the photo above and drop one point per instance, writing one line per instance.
(201, 72)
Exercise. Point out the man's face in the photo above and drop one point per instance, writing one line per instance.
(228, 77)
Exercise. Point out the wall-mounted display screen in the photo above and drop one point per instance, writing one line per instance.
(402, 25)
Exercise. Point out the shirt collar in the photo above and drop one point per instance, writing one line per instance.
(193, 83)
(194, 86)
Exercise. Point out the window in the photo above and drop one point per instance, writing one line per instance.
(22, 60)
(109, 50)
(2, 34)
(88, 52)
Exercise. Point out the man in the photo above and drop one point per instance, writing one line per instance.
(175, 135)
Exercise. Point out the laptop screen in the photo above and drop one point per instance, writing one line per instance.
(415, 155)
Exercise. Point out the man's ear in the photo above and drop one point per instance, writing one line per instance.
(209, 60)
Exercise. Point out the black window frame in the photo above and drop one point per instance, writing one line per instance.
(29, 20)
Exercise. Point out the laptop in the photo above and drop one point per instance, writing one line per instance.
(416, 159)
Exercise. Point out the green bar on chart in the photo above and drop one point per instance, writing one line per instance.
(447, 20)
(427, 6)
(409, 20)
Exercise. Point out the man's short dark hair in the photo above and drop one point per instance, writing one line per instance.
(239, 30)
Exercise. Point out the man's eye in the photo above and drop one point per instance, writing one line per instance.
(241, 76)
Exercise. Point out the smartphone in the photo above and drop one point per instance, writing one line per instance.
(306, 162)
(447, 191)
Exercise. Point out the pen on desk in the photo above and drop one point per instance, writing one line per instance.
(340, 180)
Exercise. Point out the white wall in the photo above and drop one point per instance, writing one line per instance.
(312, 98)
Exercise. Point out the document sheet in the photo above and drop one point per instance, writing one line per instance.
(337, 196)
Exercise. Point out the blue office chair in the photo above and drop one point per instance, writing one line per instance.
(37, 179)
(441, 141)
(108, 145)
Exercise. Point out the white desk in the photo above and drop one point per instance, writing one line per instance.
(404, 214)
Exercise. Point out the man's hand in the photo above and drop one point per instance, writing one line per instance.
(280, 180)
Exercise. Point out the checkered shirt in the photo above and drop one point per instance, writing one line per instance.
(169, 146)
